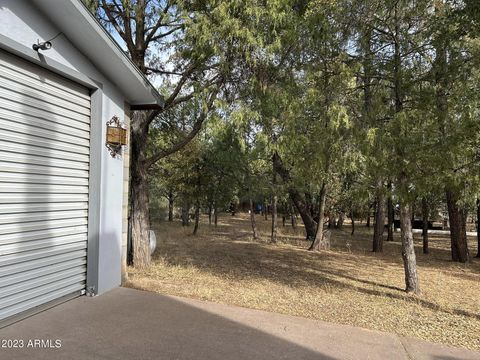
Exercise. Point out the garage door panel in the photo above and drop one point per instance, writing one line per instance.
(32, 293)
(22, 168)
(26, 198)
(63, 126)
(42, 179)
(39, 94)
(42, 253)
(10, 75)
(41, 160)
(41, 297)
(41, 207)
(40, 225)
(40, 263)
(21, 133)
(41, 234)
(44, 183)
(42, 216)
(42, 188)
(58, 278)
(19, 104)
(42, 271)
(19, 66)
(31, 99)
(31, 115)
(29, 149)
(18, 248)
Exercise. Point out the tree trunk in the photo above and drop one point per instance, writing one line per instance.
(185, 217)
(197, 217)
(210, 214)
(140, 223)
(265, 205)
(341, 219)
(478, 227)
(368, 216)
(379, 220)
(215, 215)
(425, 213)
(296, 197)
(170, 206)
(353, 222)
(273, 238)
(293, 218)
(408, 250)
(390, 214)
(252, 220)
(458, 233)
(318, 244)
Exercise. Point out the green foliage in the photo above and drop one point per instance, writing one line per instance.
(348, 93)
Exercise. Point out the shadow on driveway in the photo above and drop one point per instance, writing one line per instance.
(132, 324)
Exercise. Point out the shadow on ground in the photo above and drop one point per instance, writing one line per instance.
(131, 324)
(228, 251)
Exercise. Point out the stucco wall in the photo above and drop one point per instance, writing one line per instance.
(24, 24)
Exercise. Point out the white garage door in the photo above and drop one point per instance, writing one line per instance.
(44, 166)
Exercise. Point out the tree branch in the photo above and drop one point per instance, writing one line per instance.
(162, 35)
(113, 20)
(197, 126)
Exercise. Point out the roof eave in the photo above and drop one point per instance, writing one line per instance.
(74, 19)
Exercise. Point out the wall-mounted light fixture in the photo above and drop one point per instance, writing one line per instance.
(46, 45)
(116, 136)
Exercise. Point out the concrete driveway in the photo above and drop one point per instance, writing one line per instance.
(131, 324)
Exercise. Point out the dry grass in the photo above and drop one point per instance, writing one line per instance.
(348, 285)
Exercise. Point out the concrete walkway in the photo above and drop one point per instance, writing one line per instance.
(131, 324)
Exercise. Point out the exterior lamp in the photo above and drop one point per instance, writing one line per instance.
(45, 45)
(116, 136)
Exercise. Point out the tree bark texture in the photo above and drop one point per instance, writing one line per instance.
(478, 227)
(197, 217)
(408, 250)
(140, 217)
(318, 243)
(273, 238)
(458, 232)
(352, 216)
(252, 220)
(170, 206)
(390, 214)
(331, 220)
(379, 220)
(293, 218)
(185, 215)
(368, 217)
(341, 219)
(296, 197)
(425, 213)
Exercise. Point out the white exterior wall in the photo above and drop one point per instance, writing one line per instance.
(24, 24)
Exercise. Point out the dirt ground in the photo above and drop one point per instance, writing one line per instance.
(347, 285)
